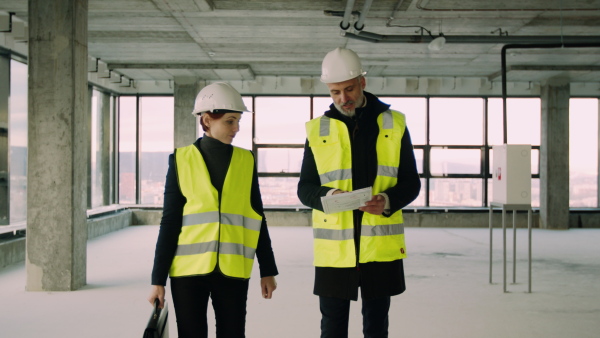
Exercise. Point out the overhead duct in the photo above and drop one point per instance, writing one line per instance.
(360, 24)
(531, 46)
(345, 24)
(474, 39)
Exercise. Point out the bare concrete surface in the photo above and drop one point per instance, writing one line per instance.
(448, 292)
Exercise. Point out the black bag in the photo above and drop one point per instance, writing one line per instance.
(158, 325)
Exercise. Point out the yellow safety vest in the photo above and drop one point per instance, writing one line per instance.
(225, 232)
(382, 238)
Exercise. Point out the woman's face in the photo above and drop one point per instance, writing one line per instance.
(223, 129)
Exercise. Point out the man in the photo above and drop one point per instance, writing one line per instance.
(358, 143)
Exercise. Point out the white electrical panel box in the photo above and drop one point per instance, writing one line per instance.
(511, 174)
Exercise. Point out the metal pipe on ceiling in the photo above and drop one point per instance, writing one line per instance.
(474, 39)
(422, 7)
(360, 24)
(345, 24)
(530, 46)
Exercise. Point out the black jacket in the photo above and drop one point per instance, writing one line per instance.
(217, 156)
(376, 279)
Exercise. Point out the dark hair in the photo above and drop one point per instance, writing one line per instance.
(212, 116)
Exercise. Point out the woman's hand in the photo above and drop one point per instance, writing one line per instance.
(158, 291)
(267, 286)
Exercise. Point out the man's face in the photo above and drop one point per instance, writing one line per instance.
(347, 95)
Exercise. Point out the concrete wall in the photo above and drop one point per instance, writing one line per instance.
(12, 251)
(146, 216)
(99, 226)
(589, 220)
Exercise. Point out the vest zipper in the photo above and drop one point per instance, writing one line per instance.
(356, 229)
(219, 237)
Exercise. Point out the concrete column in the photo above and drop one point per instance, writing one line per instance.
(4, 172)
(185, 91)
(554, 155)
(58, 145)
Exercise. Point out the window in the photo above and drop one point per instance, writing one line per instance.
(127, 149)
(96, 172)
(156, 143)
(321, 105)
(523, 119)
(17, 124)
(451, 117)
(444, 161)
(280, 160)
(455, 192)
(281, 119)
(454, 164)
(583, 152)
(280, 137)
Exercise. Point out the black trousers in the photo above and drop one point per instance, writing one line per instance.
(335, 313)
(190, 301)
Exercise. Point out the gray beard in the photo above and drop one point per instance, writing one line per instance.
(350, 113)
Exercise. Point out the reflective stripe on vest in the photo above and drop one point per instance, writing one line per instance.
(382, 238)
(225, 233)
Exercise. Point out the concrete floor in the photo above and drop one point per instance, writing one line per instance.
(447, 276)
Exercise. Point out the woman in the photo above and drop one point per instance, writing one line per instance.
(212, 224)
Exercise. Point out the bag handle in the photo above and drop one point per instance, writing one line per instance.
(156, 309)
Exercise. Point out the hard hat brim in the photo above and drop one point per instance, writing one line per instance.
(220, 111)
(341, 80)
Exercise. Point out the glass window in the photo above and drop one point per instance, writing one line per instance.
(17, 124)
(279, 191)
(281, 119)
(321, 105)
(280, 160)
(523, 118)
(455, 192)
(156, 143)
(445, 161)
(127, 149)
(535, 192)
(451, 117)
(96, 150)
(583, 152)
(419, 159)
(420, 200)
(415, 110)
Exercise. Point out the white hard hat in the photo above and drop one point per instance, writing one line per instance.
(340, 65)
(218, 96)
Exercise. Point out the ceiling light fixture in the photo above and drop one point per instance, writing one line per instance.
(437, 42)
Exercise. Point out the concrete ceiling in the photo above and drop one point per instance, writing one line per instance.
(244, 39)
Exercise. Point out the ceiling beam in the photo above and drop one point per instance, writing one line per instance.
(177, 66)
(167, 6)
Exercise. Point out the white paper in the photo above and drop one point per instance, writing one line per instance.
(346, 201)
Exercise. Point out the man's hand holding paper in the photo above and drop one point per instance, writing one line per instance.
(347, 201)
